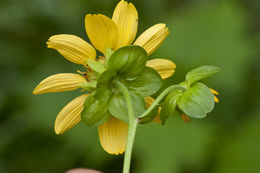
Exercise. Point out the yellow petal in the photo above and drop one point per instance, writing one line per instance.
(101, 31)
(164, 67)
(216, 99)
(113, 136)
(214, 91)
(152, 38)
(148, 102)
(72, 48)
(59, 83)
(69, 116)
(126, 18)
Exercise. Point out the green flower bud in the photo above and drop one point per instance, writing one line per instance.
(197, 101)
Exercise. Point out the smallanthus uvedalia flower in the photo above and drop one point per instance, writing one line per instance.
(103, 33)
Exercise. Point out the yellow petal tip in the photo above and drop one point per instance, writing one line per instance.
(164, 67)
(113, 136)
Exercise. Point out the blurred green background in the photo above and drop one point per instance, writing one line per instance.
(216, 32)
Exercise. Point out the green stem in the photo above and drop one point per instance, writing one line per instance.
(131, 128)
(133, 122)
(161, 96)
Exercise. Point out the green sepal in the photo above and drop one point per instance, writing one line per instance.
(200, 73)
(95, 111)
(118, 107)
(108, 54)
(88, 85)
(97, 67)
(197, 101)
(169, 105)
(128, 61)
(147, 83)
(105, 80)
(104, 84)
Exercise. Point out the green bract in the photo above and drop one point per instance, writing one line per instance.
(147, 83)
(169, 105)
(95, 111)
(96, 66)
(128, 61)
(201, 73)
(197, 101)
(150, 117)
(125, 66)
(118, 107)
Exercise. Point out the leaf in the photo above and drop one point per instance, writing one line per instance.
(128, 61)
(201, 73)
(169, 105)
(147, 83)
(95, 111)
(118, 107)
(197, 101)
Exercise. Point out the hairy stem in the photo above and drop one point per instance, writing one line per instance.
(131, 128)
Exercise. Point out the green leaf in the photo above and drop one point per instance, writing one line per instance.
(169, 105)
(96, 66)
(95, 111)
(201, 73)
(147, 83)
(128, 61)
(118, 107)
(197, 101)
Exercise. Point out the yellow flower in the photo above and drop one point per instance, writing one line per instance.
(103, 33)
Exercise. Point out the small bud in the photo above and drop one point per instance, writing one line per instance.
(197, 101)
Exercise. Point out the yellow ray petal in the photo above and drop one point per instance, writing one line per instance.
(214, 91)
(148, 102)
(113, 136)
(69, 116)
(126, 18)
(152, 38)
(59, 83)
(164, 67)
(216, 99)
(72, 48)
(102, 31)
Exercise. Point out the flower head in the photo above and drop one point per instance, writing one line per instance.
(105, 34)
